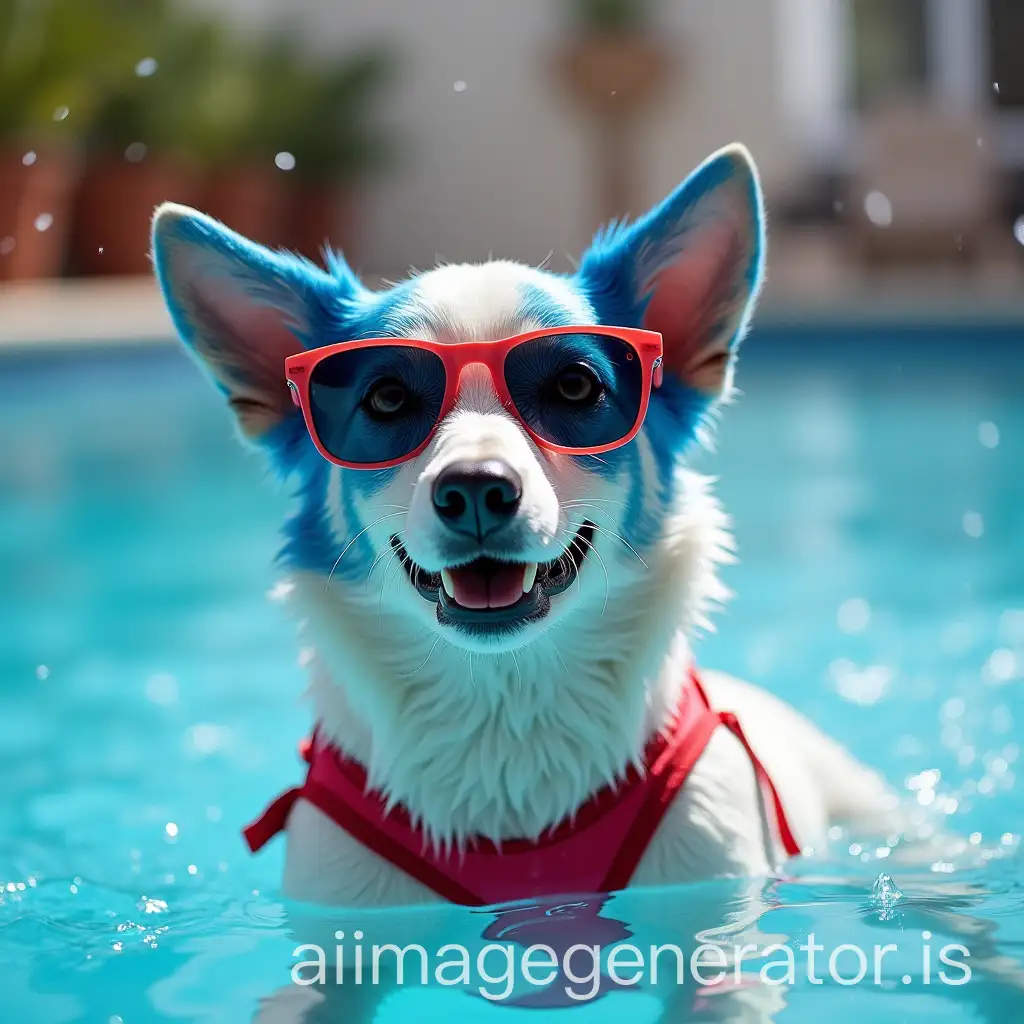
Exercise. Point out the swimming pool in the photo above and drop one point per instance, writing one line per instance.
(150, 694)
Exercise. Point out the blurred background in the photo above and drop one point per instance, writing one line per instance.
(888, 132)
(150, 695)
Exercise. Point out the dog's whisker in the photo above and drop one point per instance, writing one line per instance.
(591, 547)
(607, 579)
(600, 501)
(423, 665)
(383, 587)
(345, 550)
(586, 504)
(385, 548)
(519, 673)
(612, 533)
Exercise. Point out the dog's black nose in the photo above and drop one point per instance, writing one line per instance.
(477, 497)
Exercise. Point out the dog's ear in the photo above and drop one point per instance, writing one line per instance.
(242, 309)
(690, 268)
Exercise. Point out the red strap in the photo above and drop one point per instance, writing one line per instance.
(669, 773)
(731, 722)
(376, 839)
(789, 843)
(272, 820)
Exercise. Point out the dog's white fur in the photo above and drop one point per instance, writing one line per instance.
(507, 744)
(506, 739)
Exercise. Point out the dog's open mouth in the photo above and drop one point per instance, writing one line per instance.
(488, 592)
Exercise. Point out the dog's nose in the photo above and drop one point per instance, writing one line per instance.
(477, 497)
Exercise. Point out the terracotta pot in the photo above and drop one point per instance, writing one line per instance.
(113, 210)
(35, 202)
(250, 199)
(319, 216)
(613, 74)
(613, 77)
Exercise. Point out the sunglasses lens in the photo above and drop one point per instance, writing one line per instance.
(376, 404)
(576, 390)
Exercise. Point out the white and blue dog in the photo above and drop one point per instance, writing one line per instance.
(497, 580)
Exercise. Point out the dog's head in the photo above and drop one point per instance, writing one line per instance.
(485, 539)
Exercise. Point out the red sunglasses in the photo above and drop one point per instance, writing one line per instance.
(375, 403)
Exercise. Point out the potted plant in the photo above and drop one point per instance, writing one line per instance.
(326, 127)
(612, 63)
(137, 147)
(235, 132)
(49, 84)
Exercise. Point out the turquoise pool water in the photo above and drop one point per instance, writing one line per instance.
(150, 694)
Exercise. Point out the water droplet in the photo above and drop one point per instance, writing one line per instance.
(974, 838)
(29, 158)
(980, 142)
(1001, 665)
(205, 738)
(117, 947)
(6, 245)
(171, 829)
(953, 708)
(285, 161)
(1006, 839)
(459, 86)
(60, 113)
(974, 525)
(1018, 230)
(135, 153)
(995, 88)
(988, 434)
(43, 222)
(192, 869)
(100, 250)
(878, 209)
(854, 615)
(925, 780)
(74, 889)
(146, 67)
(42, 672)
(885, 895)
(862, 686)
(162, 689)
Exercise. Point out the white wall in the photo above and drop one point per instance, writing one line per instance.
(503, 165)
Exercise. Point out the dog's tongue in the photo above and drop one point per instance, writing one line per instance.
(489, 585)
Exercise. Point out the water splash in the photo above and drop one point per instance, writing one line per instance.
(885, 895)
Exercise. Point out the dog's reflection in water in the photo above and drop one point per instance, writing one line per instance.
(566, 976)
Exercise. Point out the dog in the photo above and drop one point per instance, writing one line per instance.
(498, 572)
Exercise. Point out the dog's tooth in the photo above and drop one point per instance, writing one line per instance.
(448, 583)
(529, 577)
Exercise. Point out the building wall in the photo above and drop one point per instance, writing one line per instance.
(505, 165)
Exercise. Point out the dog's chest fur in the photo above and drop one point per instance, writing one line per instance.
(507, 747)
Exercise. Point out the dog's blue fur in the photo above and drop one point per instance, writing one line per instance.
(323, 307)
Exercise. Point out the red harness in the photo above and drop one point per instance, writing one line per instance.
(597, 850)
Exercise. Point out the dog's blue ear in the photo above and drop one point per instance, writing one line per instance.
(242, 309)
(690, 268)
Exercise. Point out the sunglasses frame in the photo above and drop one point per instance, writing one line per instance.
(647, 346)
